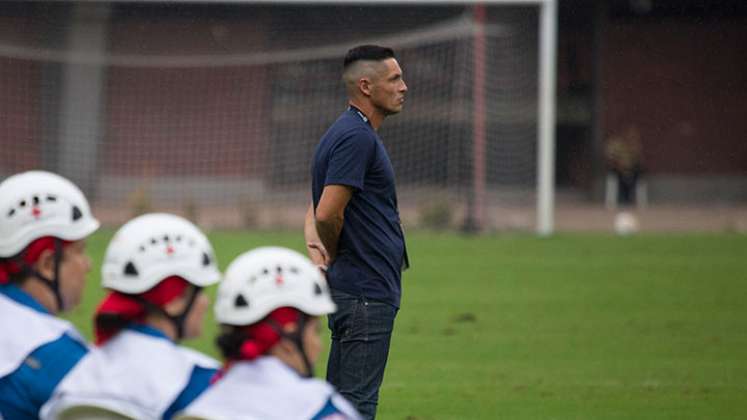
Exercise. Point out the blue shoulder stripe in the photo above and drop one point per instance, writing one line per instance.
(25, 390)
(329, 409)
(198, 383)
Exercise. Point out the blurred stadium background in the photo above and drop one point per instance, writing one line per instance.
(212, 109)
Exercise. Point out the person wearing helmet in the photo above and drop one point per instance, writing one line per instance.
(44, 222)
(268, 306)
(155, 268)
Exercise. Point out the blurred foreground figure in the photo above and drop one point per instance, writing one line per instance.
(268, 307)
(44, 222)
(155, 268)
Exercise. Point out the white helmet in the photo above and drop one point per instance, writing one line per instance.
(36, 204)
(152, 247)
(267, 278)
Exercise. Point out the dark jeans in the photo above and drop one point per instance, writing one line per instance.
(361, 332)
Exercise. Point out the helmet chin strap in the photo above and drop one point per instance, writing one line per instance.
(177, 320)
(54, 283)
(296, 338)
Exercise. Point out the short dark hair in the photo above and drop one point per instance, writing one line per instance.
(367, 52)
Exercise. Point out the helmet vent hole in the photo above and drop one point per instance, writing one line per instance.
(35, 200)
(317, 289)
(77, 214)
(51, 198)
(205, 259)
(294, 270)
(130, 269)
(240, 302)
(22, 203)
(265, 271)
(11, 212)
(279, 270)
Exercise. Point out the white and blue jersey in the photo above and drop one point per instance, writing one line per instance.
(140, 372)
(267, 389)
(37, 350)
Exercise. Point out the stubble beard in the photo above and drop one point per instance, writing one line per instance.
(386, 111)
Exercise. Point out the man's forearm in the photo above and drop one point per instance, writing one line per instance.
(314, 247)
(309, 226)
(329, 216)
(329, 234)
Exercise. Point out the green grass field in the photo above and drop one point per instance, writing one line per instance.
(570, 327)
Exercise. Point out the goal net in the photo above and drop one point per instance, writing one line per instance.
(216, 115)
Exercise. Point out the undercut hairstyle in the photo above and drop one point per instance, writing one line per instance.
(363, 61)
(367, 53)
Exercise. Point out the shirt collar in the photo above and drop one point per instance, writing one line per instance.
(17, 294)
(148, 330)
(280, 371)
(359, 113)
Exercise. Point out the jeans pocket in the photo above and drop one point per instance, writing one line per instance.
(380, 319)
(345, 324)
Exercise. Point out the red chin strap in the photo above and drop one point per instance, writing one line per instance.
(26, 258)
(127, 308)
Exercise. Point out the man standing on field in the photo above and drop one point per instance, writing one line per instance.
(353, 229)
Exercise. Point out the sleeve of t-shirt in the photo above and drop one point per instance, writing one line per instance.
(349, 159)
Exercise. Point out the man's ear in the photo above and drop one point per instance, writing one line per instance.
(364, 85)
(45, 264)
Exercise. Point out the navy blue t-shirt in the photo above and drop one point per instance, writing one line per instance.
(371, 250)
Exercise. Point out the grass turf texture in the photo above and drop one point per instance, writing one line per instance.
(569, 327)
